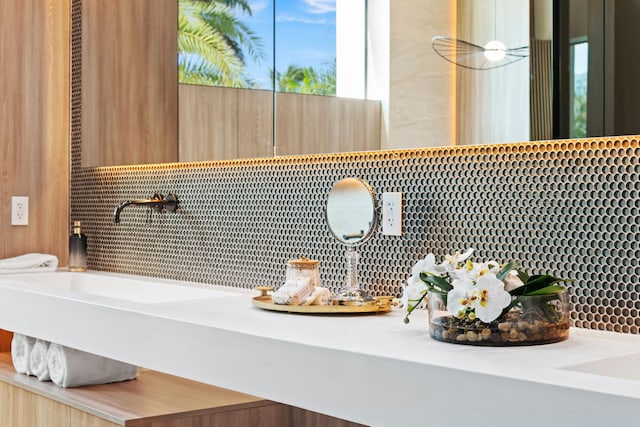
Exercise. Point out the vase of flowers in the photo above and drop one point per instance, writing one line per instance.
(488, 303)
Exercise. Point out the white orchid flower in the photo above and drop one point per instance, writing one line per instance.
(459, 299)
(466, 271)
(415, 287)
(453, 263)
(491, 297)
(458, 258)
(463, 283)
(427, 265)
(493, 266)
(487, 297)
(411, 293)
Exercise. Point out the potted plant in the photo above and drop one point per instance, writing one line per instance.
(488, 303)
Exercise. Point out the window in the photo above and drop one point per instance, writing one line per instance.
(579, 70)
(314, 46)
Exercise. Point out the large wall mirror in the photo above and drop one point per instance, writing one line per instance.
(153, 93)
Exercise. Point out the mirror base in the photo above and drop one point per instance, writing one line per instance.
(353, 295)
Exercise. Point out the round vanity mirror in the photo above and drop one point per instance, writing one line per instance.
(351, 211)
(351, 217)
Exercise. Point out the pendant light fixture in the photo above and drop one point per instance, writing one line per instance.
(469, 55)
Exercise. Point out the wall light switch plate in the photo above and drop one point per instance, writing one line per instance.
(392, 214)
(19, 210)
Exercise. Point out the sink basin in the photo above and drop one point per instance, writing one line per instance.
(625, 367)
(140, 290)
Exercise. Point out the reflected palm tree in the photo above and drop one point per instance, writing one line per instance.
(213, 43)
(308, 80)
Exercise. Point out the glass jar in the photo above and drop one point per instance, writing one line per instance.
(536, 319)
(303, 268)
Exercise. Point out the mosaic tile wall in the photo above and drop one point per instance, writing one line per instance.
(568, 208)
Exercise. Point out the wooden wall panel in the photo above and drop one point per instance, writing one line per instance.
(34, 125)
(358, 124)
(224, 123)
(255, 123)
(305, 124)
(309, 124)
(129, 82)
(208, 123)
(219, 123)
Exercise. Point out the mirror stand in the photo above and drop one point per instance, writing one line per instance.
(351, 290)
(352, 218)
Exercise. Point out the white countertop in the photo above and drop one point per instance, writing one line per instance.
(370, 369)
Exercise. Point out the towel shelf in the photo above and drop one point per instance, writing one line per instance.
(153, 399)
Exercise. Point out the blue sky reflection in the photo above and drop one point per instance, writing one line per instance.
(305, 35)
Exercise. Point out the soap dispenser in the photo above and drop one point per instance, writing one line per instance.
(77, 249)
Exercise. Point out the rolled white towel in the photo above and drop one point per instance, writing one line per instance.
(21, 347)
(29, 263)
(38, 360)
(321, 296)
(293, 292)
(69, 367)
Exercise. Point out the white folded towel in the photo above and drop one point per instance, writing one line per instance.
(38, 360)
(321, 296)
(29, 263)
(21, 347)
(69, 367)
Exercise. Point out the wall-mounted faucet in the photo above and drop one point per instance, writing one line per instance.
(158, 202)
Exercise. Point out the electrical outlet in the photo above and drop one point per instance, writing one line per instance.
(19, 210)
(392, 214)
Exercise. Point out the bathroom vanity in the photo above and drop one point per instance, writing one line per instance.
(373, 370)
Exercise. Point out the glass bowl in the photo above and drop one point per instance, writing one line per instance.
(536, 319)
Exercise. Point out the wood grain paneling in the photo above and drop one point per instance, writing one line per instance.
(255, 123)
(208, 123)
(541, 95)
(5, 340)
(300, 417)
(25, 409)
(82, 419)
(309, 124)
(152, 396)
(129, 82)
(34, 124)
(273, 415)
(225, 123)
(152, 400)
(218, 123)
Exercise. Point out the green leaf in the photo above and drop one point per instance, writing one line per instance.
(553, 289)
(435, 283)
(524, 277)
(536, 283)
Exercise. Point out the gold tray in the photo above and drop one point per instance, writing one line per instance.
(378, 305)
